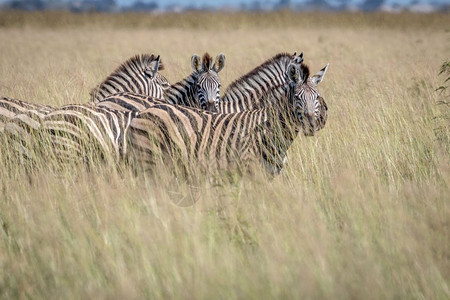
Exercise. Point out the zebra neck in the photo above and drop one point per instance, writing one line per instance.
(250, 90)
(182, 92)
(275, 136)
(131, 81)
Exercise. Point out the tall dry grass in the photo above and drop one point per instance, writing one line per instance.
(361, 211)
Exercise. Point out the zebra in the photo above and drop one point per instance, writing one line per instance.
(245, 93)
(248, 91)
(21, 133)
(217, 141)
(87, 133)
(201, 89)
(21, 119)
(10, 107)
(72, 133)
(139, 74)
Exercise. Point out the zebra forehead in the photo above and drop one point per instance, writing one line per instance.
(209, 76)
(307, 89)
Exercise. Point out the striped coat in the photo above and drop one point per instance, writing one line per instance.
(10, 107)
(166, 133)
(84, 132)
(200, 89)
(247, 92)
(139, 75)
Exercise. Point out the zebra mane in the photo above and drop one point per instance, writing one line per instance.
(207, 61)
(305, 71)
(256, 70)
(140, 60)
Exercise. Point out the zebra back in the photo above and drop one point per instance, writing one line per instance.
(138, 74)
(22, 135)
(246, 92)
(86, 132)
(127, 101)
(10, 107)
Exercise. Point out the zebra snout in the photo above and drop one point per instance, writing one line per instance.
(309, 125)
(211, 105)
(309, 133)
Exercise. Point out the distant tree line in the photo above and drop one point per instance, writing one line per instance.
(112, 6)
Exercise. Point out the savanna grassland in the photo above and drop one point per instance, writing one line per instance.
(361, 211)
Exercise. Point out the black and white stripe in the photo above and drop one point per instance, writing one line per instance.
(201, 89)
(192, 91)
(10, 107)
(138, 74)
(246, 92)
(86, 132)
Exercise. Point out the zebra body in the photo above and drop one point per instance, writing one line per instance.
(212, 140)
(10, 107)
(86, 132)
(71, 133)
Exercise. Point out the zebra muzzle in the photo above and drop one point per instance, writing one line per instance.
(211, 105)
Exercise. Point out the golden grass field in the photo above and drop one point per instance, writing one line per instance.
(361, 211)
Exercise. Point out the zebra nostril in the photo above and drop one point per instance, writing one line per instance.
(211, 106)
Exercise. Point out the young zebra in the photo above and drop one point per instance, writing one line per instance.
(165, 133)
(139, 75)
(200, 89)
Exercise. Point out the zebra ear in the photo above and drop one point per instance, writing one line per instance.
(219, 63)
(153, 68)
(292, 73)
(196, 62)
(318, 77)
(298, 59)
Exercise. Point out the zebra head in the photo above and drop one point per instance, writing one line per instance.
(156, 82)
(297, 59)
(310, 107)
(206, 89)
